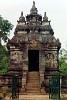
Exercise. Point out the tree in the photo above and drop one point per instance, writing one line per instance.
(5, 28)
(62, 61)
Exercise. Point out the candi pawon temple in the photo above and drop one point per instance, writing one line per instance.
(34, 53)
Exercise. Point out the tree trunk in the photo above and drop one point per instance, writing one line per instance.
(0, 41)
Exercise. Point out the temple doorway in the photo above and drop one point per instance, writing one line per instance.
(33, 60)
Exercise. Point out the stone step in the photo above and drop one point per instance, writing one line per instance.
(33, 81)
(35, 97)
(34, 78)
(30, 91)
(31, 97)
(33, 93)
(31, 75)
(33, 84)
(28, 88)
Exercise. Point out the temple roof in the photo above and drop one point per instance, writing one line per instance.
(34, 22)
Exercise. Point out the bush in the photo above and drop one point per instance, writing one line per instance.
(4, 58)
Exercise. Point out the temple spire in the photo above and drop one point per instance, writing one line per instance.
(22, 13)
(33, 3)
(22, 18)
(44, 14)
(33, 9)
(45, 18)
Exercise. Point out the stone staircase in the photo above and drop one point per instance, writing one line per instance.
(33, 91)
(33, 84)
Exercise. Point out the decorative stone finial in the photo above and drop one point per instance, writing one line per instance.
(33, 3)
(45, 18)
(33, 9)
(22, 18)
(22, 13)
(44, 14)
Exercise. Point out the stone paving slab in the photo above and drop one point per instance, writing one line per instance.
(32, 97)
(36, 97)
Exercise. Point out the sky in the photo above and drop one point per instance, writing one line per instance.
(56, 11)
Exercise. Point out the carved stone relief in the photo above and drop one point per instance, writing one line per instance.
(50, 59)
(16, 56)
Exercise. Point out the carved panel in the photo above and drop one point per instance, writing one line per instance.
(16, 56)
(50, 59)
(33, 43)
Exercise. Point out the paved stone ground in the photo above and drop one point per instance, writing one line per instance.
(31, 97)
(36, 97)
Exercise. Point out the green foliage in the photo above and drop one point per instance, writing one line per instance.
(62, 61)
(5, 27)
(4, 57)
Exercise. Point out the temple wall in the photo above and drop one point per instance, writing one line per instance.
(51, 66)
(48, 62)
(64, 84)
(25, 69)
(41, 66)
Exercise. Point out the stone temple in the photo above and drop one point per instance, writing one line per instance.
(34, 50)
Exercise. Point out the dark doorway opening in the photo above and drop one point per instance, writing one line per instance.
(33, 60)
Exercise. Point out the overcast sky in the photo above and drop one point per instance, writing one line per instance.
(56, 11)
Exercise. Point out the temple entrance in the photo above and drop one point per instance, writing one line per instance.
(33, 60)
